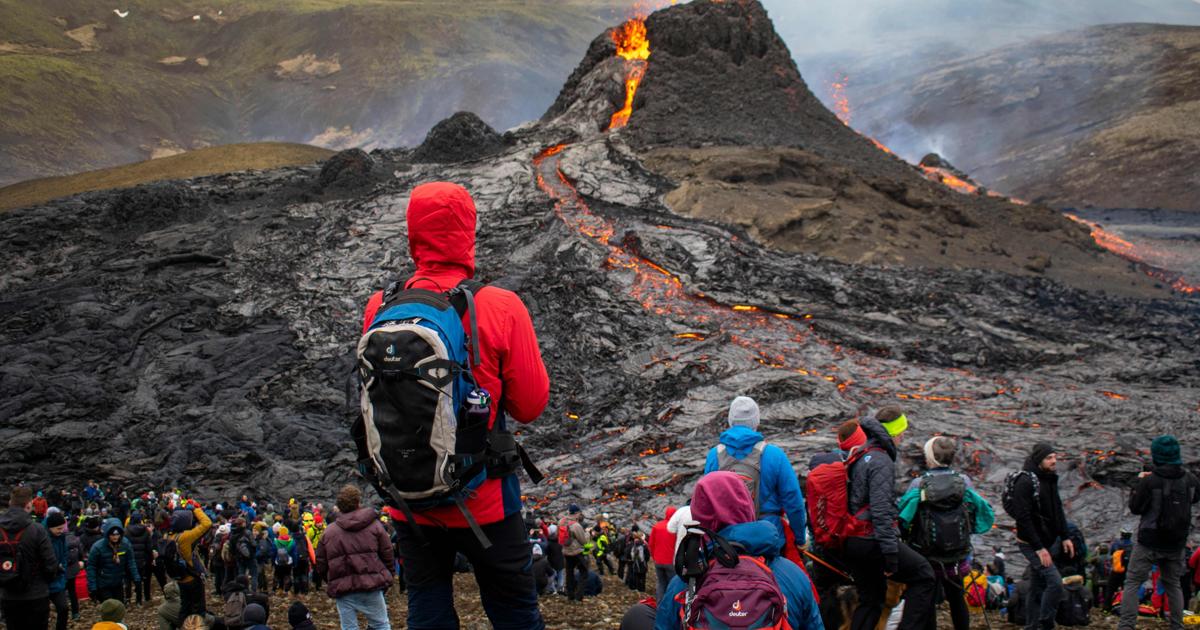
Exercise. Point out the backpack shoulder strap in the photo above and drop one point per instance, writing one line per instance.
(462, 298)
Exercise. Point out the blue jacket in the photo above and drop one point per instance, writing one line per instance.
(778, 487)
(62, 551)
(759, 538)
(103, 568)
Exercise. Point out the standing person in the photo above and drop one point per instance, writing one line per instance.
(765, 467)
(283, 560)
(355, 558)
(940, 511)
(662, 551)
(1041, 533)
(554, 555)
(264, 552)
(178, 553)
(1119, 561)
(111, 565)
(620, 549)
(603, 557)
(245, 550)
(1163, 498)
(441, 221)
(574, 551)
(722, 504)
(75, 563)
(302, 561)
(26, 551)
(639, 563)
(56, 525)
(877, 555)
(141, 538)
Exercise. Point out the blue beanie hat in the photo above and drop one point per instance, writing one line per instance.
(573, 509)
(1165, 451)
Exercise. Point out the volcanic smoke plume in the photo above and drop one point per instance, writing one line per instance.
(201, 332)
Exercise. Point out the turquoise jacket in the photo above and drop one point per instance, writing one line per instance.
(984, 516)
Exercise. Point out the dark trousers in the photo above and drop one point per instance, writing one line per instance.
(27, 614)
(602, 562)
(61, 616)
(191, 599)
(863, 557)
(262, 577)
(160, 574)
(662, 577)
(1045, 589)
(218, 571)
(504, 573)
(108, 592)
(73, 597)
(283, 578)
(1116, 584)
(621, 568)
(575, 566)
(950, 588)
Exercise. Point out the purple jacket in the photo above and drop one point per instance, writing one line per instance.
(355, 554)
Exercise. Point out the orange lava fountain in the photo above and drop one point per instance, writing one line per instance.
(634, 47)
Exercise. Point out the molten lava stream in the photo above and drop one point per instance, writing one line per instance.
(1136, 255)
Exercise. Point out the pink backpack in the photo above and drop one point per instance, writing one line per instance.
(742, 597)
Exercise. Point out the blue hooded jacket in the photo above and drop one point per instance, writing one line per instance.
(778, 487)
(759, 538)
(107, 568)
(62, 551)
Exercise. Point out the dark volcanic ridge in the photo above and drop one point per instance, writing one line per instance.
(200, 333)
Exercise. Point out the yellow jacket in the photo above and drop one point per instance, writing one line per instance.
(187, 540)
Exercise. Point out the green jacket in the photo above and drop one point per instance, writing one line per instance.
(602, 545)
(168, 611)
(984, 516)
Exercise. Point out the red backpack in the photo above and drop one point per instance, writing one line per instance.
(828, 491)
(564, 531)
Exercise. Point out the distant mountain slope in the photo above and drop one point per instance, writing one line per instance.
(1106, 116)
(83, 88)
(209, 161)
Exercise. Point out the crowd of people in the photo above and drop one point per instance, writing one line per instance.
(445, 366)
(209, 562)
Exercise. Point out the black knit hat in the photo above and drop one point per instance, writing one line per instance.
(298, 614)
(54, 519)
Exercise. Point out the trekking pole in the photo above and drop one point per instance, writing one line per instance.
(821, 562)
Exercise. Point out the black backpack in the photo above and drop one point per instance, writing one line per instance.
(1174, 507)
(423, 437)
(1010, 485)
(173, 562)
(1075, 607)
(941, 529)
(14, 570)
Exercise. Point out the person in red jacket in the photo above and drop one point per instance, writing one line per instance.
(441, 239)
(662, 550)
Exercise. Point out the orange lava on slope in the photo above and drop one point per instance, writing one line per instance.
(634, 47)
(1130, 252)
(942, 176)
(841, 102)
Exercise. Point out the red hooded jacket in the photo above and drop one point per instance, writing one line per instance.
(662, 542)
(441, 241)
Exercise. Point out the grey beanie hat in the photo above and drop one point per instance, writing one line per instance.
(743, 412)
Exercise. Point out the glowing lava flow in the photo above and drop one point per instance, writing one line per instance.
(841, 102)
(944, 177)
(634, 47)
(1130, 252)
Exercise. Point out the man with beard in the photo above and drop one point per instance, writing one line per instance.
(1041, 533)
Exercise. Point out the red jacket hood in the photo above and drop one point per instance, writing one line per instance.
(669, 512)
(441, 230)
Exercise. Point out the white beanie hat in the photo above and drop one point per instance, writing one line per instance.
(743, 412)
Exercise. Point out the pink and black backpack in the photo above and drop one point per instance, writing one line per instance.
(735, 592)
